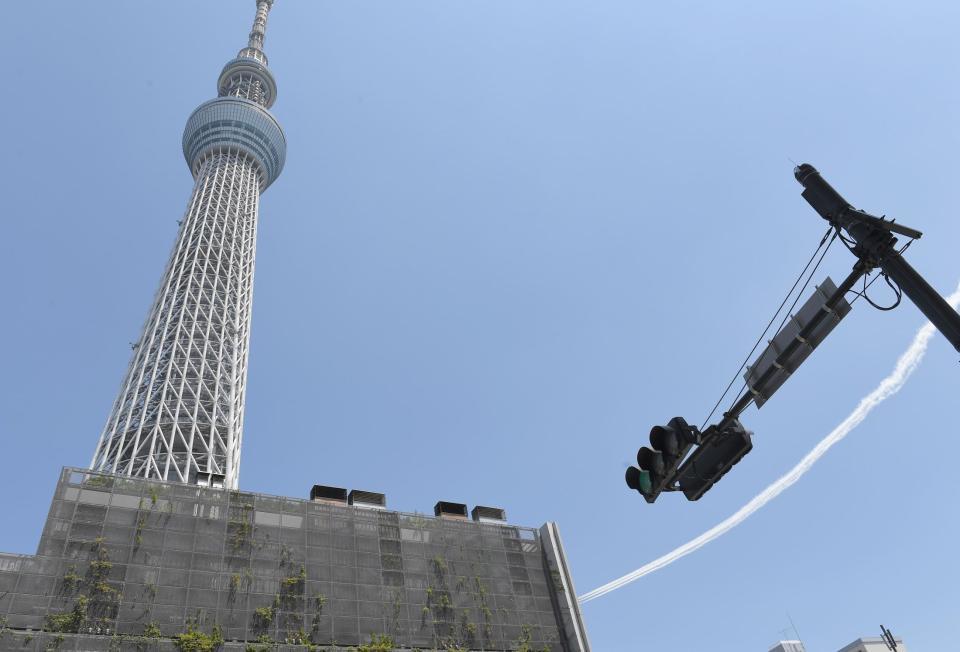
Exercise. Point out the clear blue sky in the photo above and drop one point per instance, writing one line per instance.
(510, 237)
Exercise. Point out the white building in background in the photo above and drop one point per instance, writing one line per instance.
(869, 644)
(788, 646)
(873, 644)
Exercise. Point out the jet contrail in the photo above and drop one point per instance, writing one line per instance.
(888, 387)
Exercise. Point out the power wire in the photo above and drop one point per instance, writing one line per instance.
(863, 294)
(867, 286)
(794, 304)
(805, 285)
(772, 319)
(896, 289)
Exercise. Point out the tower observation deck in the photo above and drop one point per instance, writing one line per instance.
(179, 413)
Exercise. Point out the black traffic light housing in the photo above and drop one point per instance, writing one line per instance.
(722, 448)
(657, 465)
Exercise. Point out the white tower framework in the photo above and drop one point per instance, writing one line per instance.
(179, 414)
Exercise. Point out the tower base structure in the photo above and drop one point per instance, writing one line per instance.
(134, 564)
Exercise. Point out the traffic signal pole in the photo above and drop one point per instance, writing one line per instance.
(666, 466)
(928, 300)
(721, 446)
(875, 246)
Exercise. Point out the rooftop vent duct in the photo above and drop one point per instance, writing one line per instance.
(443, 509)
(332, 495)
(368, 499)
(214, 480)
(483, 514)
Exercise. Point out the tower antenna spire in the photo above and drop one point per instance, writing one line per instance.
(259, 29)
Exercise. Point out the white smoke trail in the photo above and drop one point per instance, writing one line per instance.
(888, 387)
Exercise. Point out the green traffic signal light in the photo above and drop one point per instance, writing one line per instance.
(639, 480)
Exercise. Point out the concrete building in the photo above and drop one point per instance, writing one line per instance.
(129, 563)
(788, 646)
(873, 644)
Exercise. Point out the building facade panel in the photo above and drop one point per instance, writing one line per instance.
(259, 567)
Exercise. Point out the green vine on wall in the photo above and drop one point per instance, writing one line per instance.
(523, 643)
(241, 529)
(154, 494)
(262, 617)
(71, 580)
(319, 600)
(69, 621)
(378, 643)
(292, 593)
(239, 582)
(480, 595)
(98, 481)
(97, 605)
(194, 640)
(439, 566)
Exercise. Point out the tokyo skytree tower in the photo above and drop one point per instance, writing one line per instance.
(179, 415)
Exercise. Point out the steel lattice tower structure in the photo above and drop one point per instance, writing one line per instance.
(179, 414)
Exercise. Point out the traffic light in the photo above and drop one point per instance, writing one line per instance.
(658, 463)
(722, 448)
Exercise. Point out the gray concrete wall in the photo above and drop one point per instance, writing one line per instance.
(119, 556)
